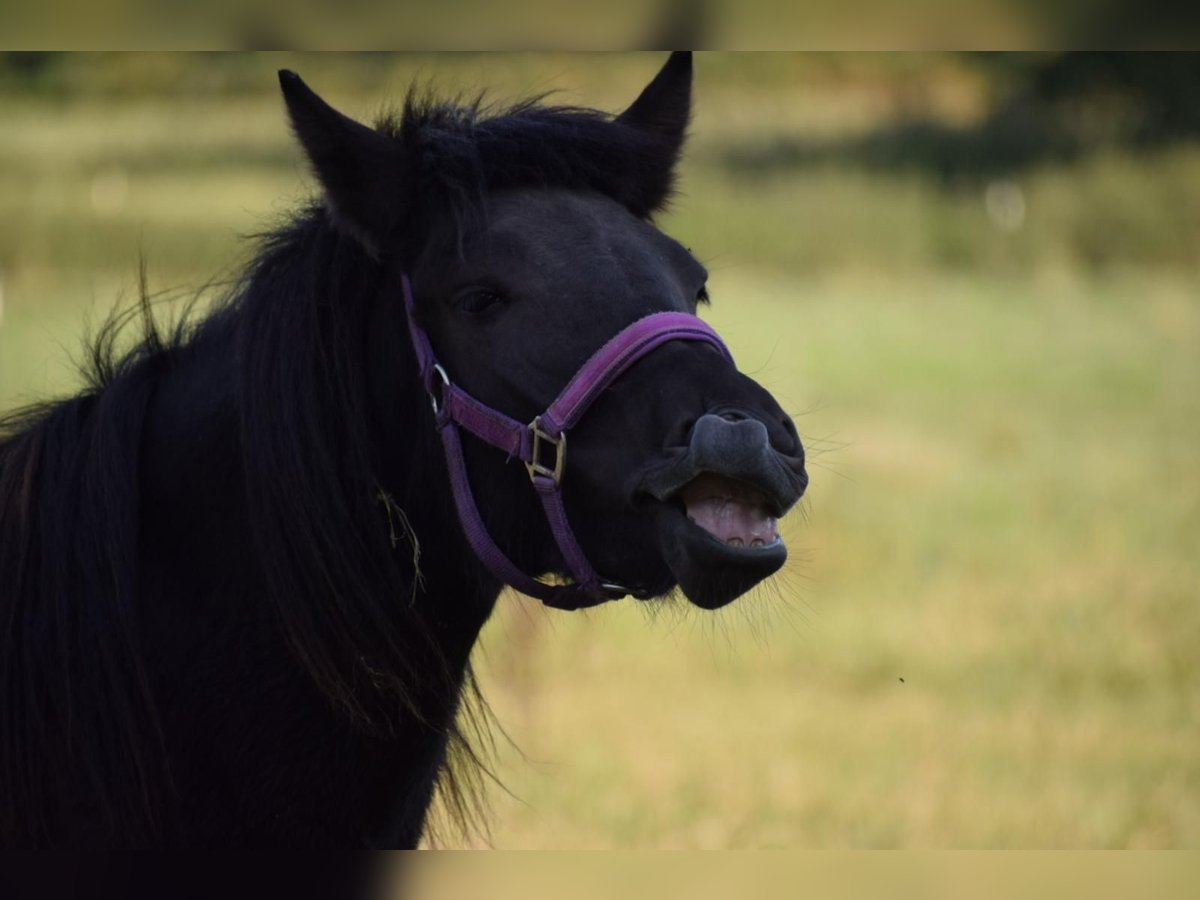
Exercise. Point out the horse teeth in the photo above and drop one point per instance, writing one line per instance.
(736, 542)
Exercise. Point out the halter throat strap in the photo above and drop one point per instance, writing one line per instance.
(541, 444)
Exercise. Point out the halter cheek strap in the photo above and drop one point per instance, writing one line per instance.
(541, 445)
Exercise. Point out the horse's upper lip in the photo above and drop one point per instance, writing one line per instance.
(739, 462)
(679, 480)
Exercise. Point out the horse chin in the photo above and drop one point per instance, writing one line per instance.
(710, 571)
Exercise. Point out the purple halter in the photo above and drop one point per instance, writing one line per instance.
(533, 444)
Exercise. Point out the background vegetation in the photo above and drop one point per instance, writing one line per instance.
(979, 296)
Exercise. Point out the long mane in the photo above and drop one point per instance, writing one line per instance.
(71, 667)
(74, 691)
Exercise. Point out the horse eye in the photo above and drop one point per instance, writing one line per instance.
(702, 294)
(478, 301)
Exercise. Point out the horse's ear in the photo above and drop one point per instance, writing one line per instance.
(359, 168)
(662, 112)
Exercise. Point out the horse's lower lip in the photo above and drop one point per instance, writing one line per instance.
(710, 571)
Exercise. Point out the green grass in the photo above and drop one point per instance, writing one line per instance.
(987, 634)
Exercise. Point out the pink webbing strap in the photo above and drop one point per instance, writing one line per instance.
(454, 407)
(622, 351)
(489, 424)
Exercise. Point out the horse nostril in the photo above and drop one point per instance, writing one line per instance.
(732, 415)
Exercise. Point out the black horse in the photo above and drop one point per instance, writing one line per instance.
(237, 598)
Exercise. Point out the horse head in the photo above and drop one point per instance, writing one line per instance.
(524, 242)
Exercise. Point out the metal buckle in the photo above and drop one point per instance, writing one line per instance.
(616, 591)
(437, 409)
(535, 465)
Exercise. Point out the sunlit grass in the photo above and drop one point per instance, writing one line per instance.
(988, 639)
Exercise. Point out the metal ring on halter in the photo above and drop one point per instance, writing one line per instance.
(618, 589)
(433, 400)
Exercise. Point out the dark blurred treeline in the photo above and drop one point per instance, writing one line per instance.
(1043, 107)
(51, 75)
(1145, 96)
(1154, 95)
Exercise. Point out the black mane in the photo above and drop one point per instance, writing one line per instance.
(68, 539)
(69, 527)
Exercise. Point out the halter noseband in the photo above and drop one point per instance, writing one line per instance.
(541, 445)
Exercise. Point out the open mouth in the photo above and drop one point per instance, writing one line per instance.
(720, 537)
(733, 512)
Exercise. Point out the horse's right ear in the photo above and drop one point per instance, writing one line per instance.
(359, 168)
(662, 112)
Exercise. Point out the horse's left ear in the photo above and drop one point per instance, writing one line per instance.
(359, 168)
(662, 112)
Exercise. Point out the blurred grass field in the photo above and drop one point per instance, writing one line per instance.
(989, 631)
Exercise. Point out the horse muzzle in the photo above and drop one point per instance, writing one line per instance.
(720, 500)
